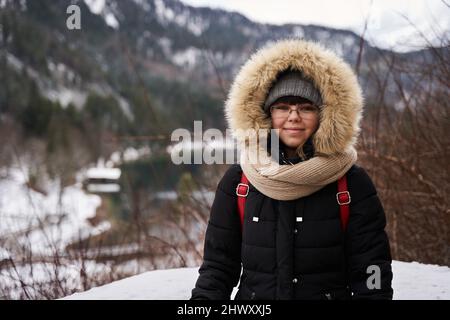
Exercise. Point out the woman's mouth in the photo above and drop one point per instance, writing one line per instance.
(294, 129)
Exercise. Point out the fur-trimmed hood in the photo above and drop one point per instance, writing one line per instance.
(341, 94)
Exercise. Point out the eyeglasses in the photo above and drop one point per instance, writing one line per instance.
(305, 111)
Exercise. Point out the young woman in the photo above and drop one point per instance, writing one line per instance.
(293, 242)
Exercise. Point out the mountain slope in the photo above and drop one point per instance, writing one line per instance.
(146, 67)
(136, 42)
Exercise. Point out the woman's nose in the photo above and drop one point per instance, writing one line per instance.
(293, 115)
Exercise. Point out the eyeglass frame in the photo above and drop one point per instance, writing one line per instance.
(298, 105)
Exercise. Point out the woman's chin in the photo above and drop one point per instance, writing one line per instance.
(293, 143)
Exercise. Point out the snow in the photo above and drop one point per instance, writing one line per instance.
(4, 254)
(95, 6)
(99, 7)
(143, 4)
(349, 42)
(44, 222)
(416, 281)
(61, 73)
(103, 173)
(38, 224)
(298, 32)
(194, 24)
(249, 32)
(40, 276)
(111, 20)
(128, 155)
(103, 188)
(172, 284)
(64, 96)
(104, 90)
(166, 45)
(165, 14)
(412, 281)
(14, 62)
(187, 58)
(132, 154)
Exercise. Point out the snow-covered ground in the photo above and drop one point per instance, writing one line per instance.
(44, 222)
(412, 281)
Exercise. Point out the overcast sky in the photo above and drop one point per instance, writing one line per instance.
(389, 21)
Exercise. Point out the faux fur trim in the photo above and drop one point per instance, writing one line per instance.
(341, 93)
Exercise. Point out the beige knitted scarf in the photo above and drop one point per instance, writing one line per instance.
(289, 182)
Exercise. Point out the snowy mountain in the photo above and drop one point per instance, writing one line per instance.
(412, 281)
(139, 42)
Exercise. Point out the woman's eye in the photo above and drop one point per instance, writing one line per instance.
(309, 109)
(282, 108)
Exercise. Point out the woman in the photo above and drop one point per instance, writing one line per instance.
(293, 243)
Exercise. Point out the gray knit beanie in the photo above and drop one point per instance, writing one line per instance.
(292, 83)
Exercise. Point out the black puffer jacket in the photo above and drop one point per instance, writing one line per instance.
(285, 259)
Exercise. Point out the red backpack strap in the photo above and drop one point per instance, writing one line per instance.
(343, 198)
(242, 192)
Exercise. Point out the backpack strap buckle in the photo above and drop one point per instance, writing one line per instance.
(343, 198)
(242, 190)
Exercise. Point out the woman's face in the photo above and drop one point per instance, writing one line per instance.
(297, 119)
